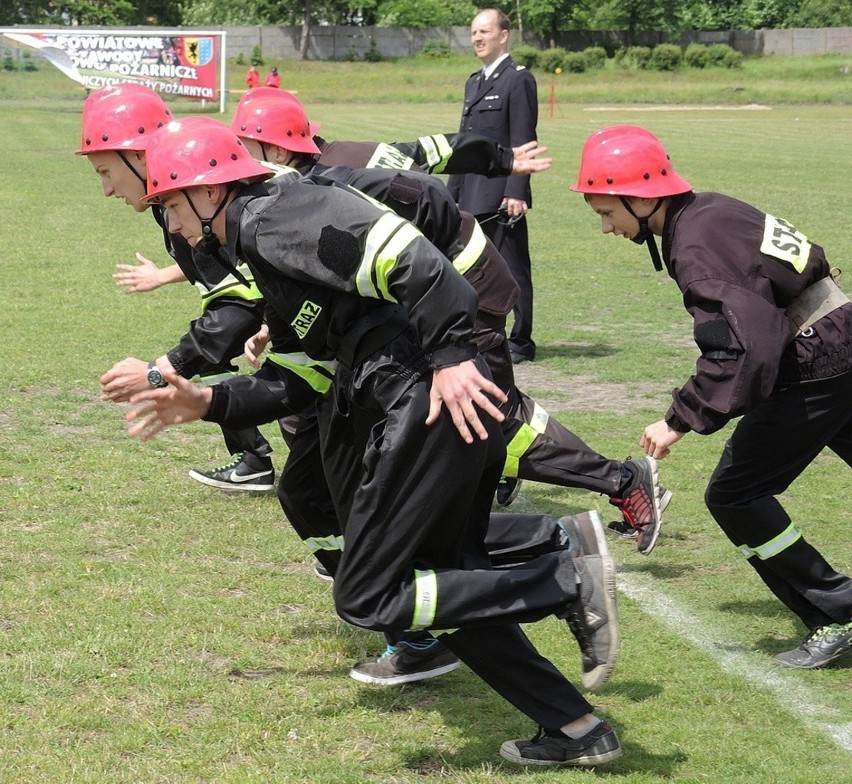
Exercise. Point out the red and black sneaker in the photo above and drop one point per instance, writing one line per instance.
(640, 503)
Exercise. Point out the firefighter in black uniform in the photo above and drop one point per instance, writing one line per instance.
(275, 128)
(362, 285)
(117, 121)
(501, 102)
(775, 335)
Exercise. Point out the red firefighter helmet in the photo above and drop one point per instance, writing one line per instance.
(197, 151)
(626, 160)
(274, 116)
(121, 117)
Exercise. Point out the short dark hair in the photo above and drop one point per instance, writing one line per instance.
(502, 20)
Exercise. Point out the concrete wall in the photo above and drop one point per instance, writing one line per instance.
(328, 43)
(798, 41)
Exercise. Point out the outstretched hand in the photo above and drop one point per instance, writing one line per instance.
(527, 160)
(254, 346)
(156, 409)
(657, 438)
(459, 387)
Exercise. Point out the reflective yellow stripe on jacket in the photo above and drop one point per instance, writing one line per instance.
(438, 152)
(389, 236)
(316, 374)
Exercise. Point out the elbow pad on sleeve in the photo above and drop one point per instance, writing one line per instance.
(714, 340)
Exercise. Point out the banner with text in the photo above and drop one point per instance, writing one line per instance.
(182, 63)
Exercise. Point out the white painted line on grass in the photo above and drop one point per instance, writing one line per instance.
(786, 687)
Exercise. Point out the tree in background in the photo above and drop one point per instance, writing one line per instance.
(542, 17)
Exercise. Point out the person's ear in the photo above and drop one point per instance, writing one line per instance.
(279, 154)
(213, 193)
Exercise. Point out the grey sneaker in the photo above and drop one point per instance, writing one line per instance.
(238, 475)
(593, 616)
(600, 745)
(584, 533)
(406, 663)
(820, 647)
(640, 505)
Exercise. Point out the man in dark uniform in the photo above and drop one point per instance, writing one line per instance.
(775, 335)
(501, 101)
(412, 483)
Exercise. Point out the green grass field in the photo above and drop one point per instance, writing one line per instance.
(154, 630)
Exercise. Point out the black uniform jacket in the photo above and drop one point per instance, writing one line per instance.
(450, 153)
(328, 261)
(738, 269)
(503, 107)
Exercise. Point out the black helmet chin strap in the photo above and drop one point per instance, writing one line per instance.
(645, 234)
(130, 166)
(209, 243)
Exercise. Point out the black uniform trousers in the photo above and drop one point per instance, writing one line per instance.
(416, 501)
(767, 451)
(513, 244)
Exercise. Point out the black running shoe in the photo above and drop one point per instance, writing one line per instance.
(406, 663)
(820, 647)
(238, 475)
(600, 745)
(507, 490)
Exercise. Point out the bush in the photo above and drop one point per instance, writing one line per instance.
(665, 57)
(528, 56)
(436, 50)
(352, 55)
(723, 56)
(373, 55)
(239, 59)
(575, 62)
(551, 59)
(595, 57)
(257, 55)
(8, 62)
(696, 56)
(637, 56)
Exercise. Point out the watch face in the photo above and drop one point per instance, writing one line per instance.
(155, 377)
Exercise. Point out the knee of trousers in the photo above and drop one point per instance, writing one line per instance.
(720, 500)
(356, 611)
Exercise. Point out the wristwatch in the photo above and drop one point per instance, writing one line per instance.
(155, 376)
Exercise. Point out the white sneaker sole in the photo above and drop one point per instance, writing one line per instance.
(396, 680)
(242, 488)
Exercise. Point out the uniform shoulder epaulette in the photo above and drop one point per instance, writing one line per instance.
(520, 68)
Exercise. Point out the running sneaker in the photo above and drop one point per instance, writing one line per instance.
(640, 503)
(820, 647)
(239, 475)
(600, 745)
(593, 616)
(507, 490)
(406, 663)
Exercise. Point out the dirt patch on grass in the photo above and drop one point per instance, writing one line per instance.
(580, 392)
